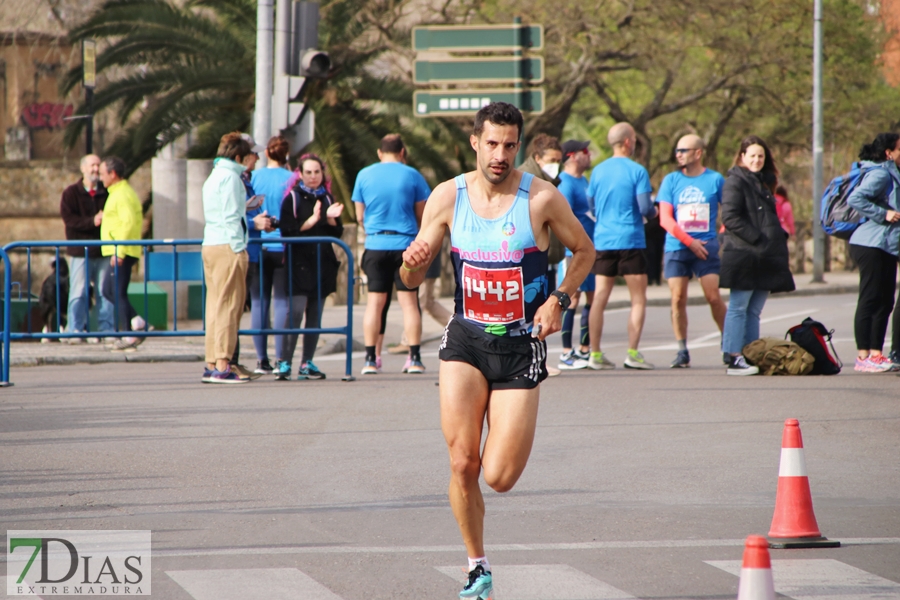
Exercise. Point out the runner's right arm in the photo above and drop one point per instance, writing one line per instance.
(436, 218)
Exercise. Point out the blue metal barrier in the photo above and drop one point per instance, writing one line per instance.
(169, 266)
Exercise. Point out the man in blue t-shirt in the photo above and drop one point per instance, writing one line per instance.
(689, 201)
(620, 190)
(390, 198)
(574, 185)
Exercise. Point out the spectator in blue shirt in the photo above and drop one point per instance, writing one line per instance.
(389, 197)
(620, 190)
(574, 185)
(271, 182)
(689, 200)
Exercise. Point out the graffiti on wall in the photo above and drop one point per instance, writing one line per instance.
(46, 115)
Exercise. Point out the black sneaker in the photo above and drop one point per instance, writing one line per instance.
(263, 367)
(738, 366)
(682, 360)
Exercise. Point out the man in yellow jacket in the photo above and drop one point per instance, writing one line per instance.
(122, 219)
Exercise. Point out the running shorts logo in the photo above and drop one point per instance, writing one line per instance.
(493, 295)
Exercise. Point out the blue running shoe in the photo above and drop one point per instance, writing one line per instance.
(480, 584)
(207, 375)
(226, 376)
(309, 370)
(282, 370)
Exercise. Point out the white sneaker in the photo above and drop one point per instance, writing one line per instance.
(635, 360)
(739, 366)
(600, 363)
(568, 362)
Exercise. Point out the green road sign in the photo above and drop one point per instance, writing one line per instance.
(501, 69)
(454, 103)
(478, 38)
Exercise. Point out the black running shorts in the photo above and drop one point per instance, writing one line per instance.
(611, 263)
(382, 269)
(508, 363)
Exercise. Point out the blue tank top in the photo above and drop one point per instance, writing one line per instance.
(501, 275)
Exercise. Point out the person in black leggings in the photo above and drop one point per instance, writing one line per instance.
(874, 246)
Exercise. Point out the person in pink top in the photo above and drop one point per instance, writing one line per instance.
(785, 210)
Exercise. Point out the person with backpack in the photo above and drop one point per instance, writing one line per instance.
(754, 248)
(309, 210)
(874, 246)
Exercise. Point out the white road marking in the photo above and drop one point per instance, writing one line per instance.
(544, 582)
(799, 313)
(251, 584)
(821, 579)
(264, 550)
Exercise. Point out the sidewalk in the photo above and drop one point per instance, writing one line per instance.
(191, 349)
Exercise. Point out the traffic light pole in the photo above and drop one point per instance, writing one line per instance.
(262, 119)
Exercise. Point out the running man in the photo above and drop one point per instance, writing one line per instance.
(493, 355)
(689, 200)
(620, 189)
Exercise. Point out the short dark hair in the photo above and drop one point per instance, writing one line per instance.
(116, 165)
(233, 145)
(499, 113)
(543, 142)
(392, 143)
(875, 151)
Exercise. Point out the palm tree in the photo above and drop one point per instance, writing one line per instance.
(174, 69)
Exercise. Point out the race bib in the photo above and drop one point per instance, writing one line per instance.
(693, 218)
(493, 295)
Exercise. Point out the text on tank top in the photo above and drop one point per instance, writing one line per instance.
(501, 275)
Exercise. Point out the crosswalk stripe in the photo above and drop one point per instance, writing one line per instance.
(544, 582)
(251, 584)
(821, 579)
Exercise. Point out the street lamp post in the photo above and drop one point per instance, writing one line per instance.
(818, 233)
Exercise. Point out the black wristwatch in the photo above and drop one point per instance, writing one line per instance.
(563, 298)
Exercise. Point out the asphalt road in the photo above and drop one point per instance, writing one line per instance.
(640, 484)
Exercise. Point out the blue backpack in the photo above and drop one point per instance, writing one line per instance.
(838, 217)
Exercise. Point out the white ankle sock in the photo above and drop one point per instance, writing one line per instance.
(483, 561)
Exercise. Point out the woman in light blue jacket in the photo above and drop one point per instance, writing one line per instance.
(225, 256)
(875, 246)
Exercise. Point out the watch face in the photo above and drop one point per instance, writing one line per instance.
(563, 298)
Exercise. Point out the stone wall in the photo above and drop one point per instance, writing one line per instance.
(29, 208)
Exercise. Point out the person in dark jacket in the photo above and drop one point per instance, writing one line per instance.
(754, 249)
(309, 210)
(81, 209)
(874, 246)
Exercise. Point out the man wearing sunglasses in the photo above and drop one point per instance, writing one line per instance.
(689, 201)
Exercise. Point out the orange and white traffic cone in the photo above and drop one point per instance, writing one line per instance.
(756, 571)
(794, 522)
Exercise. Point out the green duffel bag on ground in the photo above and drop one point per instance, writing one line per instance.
(775, 356)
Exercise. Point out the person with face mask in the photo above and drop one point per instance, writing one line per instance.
(754, 249)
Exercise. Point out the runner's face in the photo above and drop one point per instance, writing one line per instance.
(496, 148)
(754, 158)
(894, 154)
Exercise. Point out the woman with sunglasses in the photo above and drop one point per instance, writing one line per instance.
(309, 210)
(754, 250)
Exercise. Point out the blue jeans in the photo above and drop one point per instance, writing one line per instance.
(79, 302)
(742, 319)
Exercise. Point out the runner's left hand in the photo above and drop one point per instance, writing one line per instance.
(549, 316)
